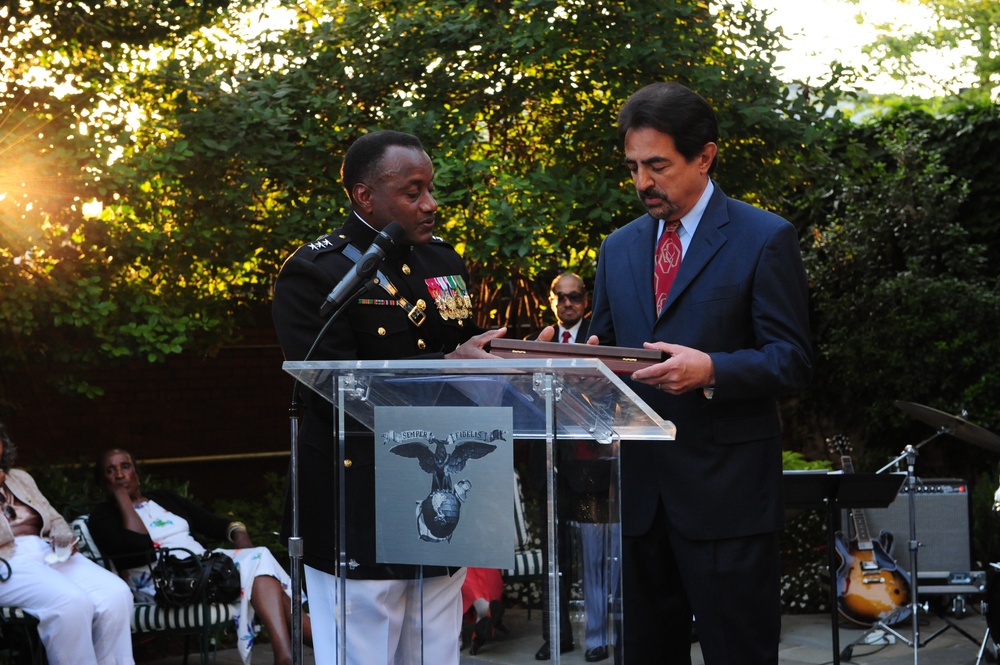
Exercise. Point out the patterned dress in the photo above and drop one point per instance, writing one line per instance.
(168, 529)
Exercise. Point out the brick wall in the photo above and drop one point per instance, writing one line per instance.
(235, 403)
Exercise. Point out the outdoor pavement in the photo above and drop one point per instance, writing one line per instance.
(806, 640)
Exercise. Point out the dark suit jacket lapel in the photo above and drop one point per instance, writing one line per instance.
(640, 267)
(707, 241)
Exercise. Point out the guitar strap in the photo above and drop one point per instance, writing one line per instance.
(414, 314)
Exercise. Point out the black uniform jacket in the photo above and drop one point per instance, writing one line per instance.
(373, 327)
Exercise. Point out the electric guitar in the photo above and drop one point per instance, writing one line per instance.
(871, 588)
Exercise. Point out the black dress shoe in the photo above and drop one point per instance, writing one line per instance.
(481, 634)
(544, 653)
(496, 616)
(595, 654)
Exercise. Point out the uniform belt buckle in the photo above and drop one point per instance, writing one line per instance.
(415, 315)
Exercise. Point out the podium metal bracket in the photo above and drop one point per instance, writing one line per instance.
(543, 387)
(355, 388)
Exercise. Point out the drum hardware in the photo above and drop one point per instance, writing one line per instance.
(991, 610)
(956, 426)
(832, 492)
(959, 606)
(962, 429)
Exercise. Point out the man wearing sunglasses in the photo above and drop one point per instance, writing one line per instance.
(568, 298)
(583, 492)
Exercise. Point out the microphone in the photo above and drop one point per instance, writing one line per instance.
(364, 268)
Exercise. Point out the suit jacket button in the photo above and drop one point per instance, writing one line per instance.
(347, 463)
(381, 331)
(421, 344)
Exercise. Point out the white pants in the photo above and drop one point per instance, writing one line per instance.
(384, 619)
(84, 611)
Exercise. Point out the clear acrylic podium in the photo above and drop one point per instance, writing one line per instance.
(551, 399)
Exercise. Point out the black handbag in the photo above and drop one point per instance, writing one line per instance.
(179, 582)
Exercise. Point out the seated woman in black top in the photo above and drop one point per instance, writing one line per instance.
(130, 524)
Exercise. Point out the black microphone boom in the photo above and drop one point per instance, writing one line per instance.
(364, 268)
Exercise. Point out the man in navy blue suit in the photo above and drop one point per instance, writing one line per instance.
(701, 515)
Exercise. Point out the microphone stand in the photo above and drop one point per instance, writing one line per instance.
(295, 543)
(294, 540)
(910, 454)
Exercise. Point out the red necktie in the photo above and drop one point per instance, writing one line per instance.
(565, 339)
(668, 260)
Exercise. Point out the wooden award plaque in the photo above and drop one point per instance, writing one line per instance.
(621, 359)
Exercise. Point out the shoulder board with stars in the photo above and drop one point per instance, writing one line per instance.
(325, 243)
(440, 241)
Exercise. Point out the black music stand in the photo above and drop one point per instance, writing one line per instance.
(833, 492)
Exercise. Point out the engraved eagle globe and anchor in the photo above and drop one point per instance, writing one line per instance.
(439, 513)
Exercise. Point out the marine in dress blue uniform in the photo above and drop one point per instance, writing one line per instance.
(428, 315)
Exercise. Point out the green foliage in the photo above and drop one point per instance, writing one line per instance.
(214, 159)
(965, 27)
(262, 516)
(803, 549)
(73, 23)
(905, 299)
(803, 559)
(968, 137)
(69, 488)
(794, 461)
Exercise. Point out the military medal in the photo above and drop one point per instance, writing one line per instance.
(435, 290)
(451, 296)
(455, 297)
(462, 295)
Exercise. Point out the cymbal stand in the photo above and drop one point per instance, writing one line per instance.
(910, 454)
(990, 655)
(877, 626)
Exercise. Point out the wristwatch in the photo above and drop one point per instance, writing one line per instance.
(708, 392)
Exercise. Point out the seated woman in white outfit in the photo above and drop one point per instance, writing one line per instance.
(130, 524)
(84, 611)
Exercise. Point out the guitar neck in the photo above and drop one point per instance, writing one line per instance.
(858, 515)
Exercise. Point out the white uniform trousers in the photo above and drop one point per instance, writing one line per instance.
(384, 619)
(84, 611)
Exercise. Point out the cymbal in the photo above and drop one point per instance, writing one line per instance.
(958, 427)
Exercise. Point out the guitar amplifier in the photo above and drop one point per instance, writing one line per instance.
(942, 511)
